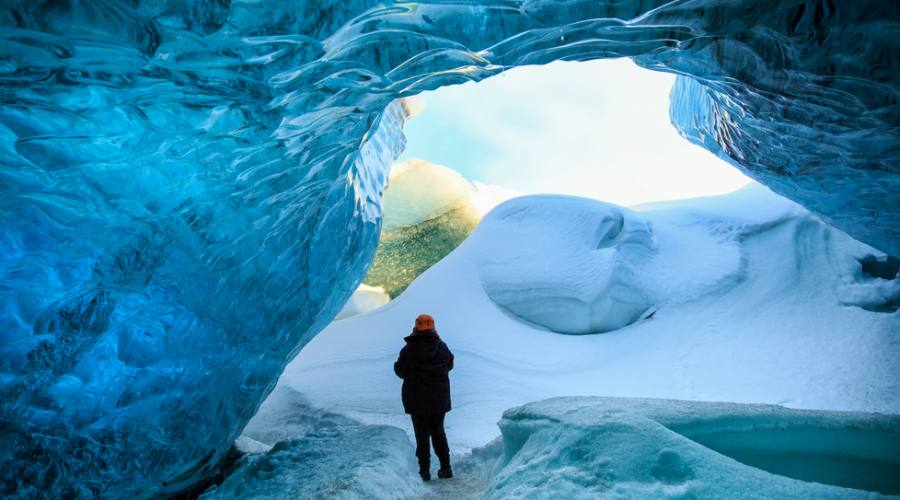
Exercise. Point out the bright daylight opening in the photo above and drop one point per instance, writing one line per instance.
(598, 129)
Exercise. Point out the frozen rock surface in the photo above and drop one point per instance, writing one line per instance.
(189, 191)
(643, 448)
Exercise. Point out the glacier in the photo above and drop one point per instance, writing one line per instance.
(190, 191)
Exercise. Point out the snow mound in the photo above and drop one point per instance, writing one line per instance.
(567, 265)
(580, 266)
(651, 448)
(365, 299)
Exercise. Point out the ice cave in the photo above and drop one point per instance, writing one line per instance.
(191, 191)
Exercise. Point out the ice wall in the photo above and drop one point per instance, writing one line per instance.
(189, 190)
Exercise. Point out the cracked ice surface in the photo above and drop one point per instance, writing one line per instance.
(190, 190)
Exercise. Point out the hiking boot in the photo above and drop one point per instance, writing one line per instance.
(445, 472)
(425, 475)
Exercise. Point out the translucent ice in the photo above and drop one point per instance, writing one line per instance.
(427, 214)
(639, 448)
(190, 190)
(429, 210)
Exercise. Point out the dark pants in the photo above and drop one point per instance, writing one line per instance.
(430, 426)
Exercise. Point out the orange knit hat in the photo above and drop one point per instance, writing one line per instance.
(424, 322)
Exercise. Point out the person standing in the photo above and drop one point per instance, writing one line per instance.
(424, 365)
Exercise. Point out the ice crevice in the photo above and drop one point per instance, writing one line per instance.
(190, 191)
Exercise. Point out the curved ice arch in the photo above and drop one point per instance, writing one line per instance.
(190, 190)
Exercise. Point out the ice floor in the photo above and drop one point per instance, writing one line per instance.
(581, 448)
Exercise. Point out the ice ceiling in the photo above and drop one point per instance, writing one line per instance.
(191, 190)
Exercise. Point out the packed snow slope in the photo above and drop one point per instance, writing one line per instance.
(745, 297)
(190, 190)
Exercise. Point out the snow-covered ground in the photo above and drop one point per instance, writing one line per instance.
(752, 300)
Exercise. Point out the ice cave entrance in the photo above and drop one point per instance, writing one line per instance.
(597, 129)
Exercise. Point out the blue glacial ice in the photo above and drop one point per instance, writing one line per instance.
(657, 448)
(189, 191)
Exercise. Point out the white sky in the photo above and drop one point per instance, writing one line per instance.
(598, 129)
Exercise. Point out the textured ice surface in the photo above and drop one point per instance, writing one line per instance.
(643, 448)
(328, 456)
(190, 190)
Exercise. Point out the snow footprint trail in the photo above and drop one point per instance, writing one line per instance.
(460, 487)
(472, 474)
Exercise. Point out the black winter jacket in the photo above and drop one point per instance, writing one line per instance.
(424, 365)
